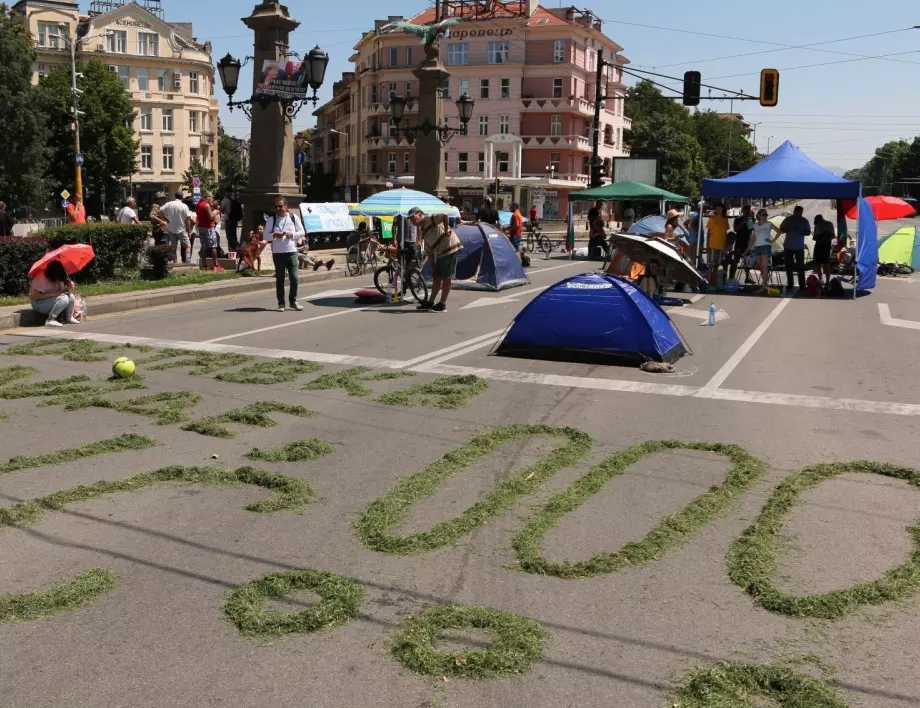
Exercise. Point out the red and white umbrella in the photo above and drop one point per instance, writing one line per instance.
(886, 208)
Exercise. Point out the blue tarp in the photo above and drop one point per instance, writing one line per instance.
(866, 247)
(593, 317)
(787, 172)
(487, 262)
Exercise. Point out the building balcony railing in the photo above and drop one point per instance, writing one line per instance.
(482, 58)
(208, 138)
(557, 142)
(566, 176)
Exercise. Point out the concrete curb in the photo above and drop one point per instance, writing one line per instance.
(19, 316)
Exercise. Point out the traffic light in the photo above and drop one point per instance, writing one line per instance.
(769, 87)
(692, 80)
(597, 173)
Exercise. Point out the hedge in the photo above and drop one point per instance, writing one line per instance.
(118, 248)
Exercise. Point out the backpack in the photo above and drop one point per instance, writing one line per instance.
(835, 289)
(813, 286)
(525, 260)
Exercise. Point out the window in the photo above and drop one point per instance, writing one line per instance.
(555, 125)
(193, 82)
(464, 87)
(405, 162)
(505, 91)
(194, 154)
(557, 88)
(499, 52)
(483, 88)
(592, 59)
(122, 72)
(554, 162)
(446, 160)
(142, 80)
(391, 90)
(608, 135)
(458, 54)
(146, 157)
(408, 89)
(445, 89)
(373, 163)
(167, 120)
(483, 125)
(49, 35)
(116, 41)
(394, 56)
(391, 128)
(193, 121)
(559, 51)
(504, 125)
(167, 158)
(148, 44)
(162, 80)
(463, 162)
(502, 161)
(482, 163)
(146, 119)
(408, 56)
(391, 162)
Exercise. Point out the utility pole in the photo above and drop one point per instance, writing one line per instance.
(731, 130)
(596, 180)
(74, 108)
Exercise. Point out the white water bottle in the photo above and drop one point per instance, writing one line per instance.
(712, 315)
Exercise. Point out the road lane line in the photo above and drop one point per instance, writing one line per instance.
(286, 324)
(447, 350)
(884, 313)
(729, 366)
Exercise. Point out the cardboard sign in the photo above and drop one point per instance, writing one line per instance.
(326, 217)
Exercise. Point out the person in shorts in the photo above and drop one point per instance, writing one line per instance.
(207, 218)
(762, 246)
(516, 228)
(717, 228)
(824, 240)
(442, 246)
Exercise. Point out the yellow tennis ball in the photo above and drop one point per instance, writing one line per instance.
(123, 367)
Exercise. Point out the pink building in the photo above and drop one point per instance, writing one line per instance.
(532, 73)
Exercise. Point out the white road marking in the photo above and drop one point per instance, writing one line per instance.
(537, 271)
(504, 299)
(884, 313)
(446, 350)
(721, 315)
(597, 384)
(729, 366)
(328, 293)
(127, 339)
(285, 324)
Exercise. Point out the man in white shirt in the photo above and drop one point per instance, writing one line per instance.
(180, 225)
(128, 215)
(285, 230)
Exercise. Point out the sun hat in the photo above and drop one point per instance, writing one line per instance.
(673, 213)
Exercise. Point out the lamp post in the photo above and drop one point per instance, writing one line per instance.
(769, 138)
(347, 165)
(273, 104)
(551, 168)
(74, 109)
(444, 133)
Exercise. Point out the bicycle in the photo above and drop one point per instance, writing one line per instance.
(534, 234)
(548, 245)
(894, 269)
(386, 277)
(361, 255)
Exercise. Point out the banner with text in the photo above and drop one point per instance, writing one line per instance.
(286, 80)
(326, 217)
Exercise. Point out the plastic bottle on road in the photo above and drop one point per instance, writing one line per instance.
(712, 315)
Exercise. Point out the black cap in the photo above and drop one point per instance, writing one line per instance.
(415, 210)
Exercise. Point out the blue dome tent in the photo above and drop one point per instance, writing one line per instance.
(594, 318)
(488, 261)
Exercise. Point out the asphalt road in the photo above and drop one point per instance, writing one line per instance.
(793, 381)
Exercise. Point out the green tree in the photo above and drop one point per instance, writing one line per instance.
(23, 157)
(196, 169)
(714, 133)
(229, 155)
(106, 130)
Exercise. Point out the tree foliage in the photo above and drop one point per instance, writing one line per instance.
(229, 155)
(715, 133)
(107, 138)
(196, 169)
(23, 136)
(893, 162)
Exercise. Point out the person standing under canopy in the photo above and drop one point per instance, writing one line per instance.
(796, 228)
(717, 228)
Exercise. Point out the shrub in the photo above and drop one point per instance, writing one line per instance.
(16, 257)
(118, 247)
(160, 257)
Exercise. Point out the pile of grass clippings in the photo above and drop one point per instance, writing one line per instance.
(446, 392)
(167, 408)
(122, 443)
(671, 533)
(302, 451)
(731, 685)
(518, 643)
(352, 380)
(201, 363)
(82, 350)
(270, 372)
(255, 414)
(752, 558)
(60, 391)
(9, 374)
(374, 526)
(341, 602)
(82, 590)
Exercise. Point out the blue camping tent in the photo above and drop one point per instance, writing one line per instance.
(488, 261)
(593, 317)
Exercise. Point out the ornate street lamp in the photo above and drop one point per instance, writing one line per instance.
(444, 132)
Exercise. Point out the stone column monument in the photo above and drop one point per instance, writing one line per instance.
(429, 152)
(271, 165)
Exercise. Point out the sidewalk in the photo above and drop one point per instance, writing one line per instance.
(24, 316)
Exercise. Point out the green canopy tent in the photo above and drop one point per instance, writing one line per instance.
(619, 191)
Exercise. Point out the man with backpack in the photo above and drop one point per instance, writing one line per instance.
(232, 209)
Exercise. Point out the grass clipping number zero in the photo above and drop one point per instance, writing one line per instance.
(518, 643)
(341, 601)
(730, 685)
(752, 558)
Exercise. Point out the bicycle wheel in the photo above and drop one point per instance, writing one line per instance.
(384, 278)
(353, 260)
(546, 245)
(417, 285)
(531, 243)
(903, 269)
(371, 260)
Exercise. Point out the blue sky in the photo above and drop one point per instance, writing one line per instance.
(837, 113)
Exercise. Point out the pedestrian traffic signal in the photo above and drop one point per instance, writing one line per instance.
(692, 81)
(769, 87)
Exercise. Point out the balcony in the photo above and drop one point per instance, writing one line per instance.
(557, 142)
(563, 176)
(538, 104)
(207, 138)
(482, 58)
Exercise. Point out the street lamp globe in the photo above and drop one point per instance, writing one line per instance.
(398, 108)
(229, 70)
(317, 60)
(465, 108)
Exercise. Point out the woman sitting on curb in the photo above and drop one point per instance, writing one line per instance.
(52, 294)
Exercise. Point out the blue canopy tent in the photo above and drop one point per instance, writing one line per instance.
(488, 261)
(594, 318)
(787, 172)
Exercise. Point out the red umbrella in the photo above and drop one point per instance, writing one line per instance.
(886, 208)
(73, 257)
